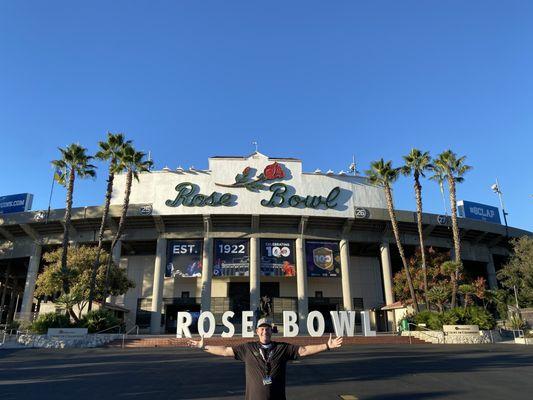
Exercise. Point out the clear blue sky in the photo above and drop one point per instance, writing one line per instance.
(309, 79)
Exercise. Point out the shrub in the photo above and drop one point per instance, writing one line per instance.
(99, 320)
(480, 316)
(49, 320)
(516, 322)
(456, 316)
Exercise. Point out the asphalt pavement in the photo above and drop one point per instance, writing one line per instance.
(503, 371)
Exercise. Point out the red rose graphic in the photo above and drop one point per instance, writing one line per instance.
(273, 171)
(246, 170)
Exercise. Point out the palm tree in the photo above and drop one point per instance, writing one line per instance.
(439, 177)
(134, 163)
(416, 163)
(74, 161)
(381, 173)
(452, 168)
(112, 151)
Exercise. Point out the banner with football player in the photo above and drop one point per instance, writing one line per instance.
(277, 257)
(184, 258)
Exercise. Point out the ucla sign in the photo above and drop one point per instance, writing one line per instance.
(482, 212)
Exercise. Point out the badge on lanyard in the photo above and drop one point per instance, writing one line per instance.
(267, 380)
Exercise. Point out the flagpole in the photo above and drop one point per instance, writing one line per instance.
(50, 199)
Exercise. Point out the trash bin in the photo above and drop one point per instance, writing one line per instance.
(404, 325)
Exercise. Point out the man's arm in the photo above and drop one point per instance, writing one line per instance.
(305, 351)
(215, 350)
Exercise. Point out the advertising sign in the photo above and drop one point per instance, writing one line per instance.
(184, 258)
(482, 212)
(277, 257)
(15, 203)
(232, 257)
(323, 258)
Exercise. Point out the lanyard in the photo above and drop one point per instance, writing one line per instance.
(266, 359)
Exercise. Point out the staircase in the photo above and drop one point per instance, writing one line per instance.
(172, 341)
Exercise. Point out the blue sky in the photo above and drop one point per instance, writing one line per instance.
(314, 80)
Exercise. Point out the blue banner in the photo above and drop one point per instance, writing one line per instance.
(481, 212)
(15, 203)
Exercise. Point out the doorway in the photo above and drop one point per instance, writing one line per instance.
(239, 298)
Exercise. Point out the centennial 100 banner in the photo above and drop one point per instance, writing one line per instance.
(277, 257)
(323, 258)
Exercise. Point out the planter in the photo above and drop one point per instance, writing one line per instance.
(65, 342)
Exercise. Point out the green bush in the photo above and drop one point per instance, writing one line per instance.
(456, 316)
(99, 320)
(49, 320)
(480, 316)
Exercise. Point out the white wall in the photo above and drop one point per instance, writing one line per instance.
(159, 186)
(366, 282)
(141, 271)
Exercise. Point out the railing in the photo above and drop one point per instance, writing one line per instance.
(108, 329)
(8, 333)
(425, 333)
(136, 328)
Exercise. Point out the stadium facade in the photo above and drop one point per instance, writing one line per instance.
(247, 227)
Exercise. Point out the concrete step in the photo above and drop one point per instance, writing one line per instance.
(165, 341)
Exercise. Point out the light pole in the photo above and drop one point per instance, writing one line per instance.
(496, 189)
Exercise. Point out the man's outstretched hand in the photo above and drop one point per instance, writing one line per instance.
(334, 343)
(198, 344)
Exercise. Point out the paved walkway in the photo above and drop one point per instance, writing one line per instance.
(364, 372)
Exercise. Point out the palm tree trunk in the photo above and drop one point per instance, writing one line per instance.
(110, 179)
(418, 194)
(120, 229)
(456, 238)
(390, 206)
(66, 229)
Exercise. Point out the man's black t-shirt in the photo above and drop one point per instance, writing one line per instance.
(261, 363)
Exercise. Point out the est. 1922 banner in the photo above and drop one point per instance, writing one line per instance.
(277, 257)
(232, 257)
(184, 258)
(323, 258)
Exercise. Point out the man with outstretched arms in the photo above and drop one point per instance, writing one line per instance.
(266, 361)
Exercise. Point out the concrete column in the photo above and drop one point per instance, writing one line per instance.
(345, 275)
(4, 290)
(14, 296)
(115, 256)
(301, 285)
(157, 289)
(255, 274)
(491, 272)
(386, 269)
(29, 286)
(117, 251)
(207, 274)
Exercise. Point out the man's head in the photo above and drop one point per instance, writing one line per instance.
(264, 330)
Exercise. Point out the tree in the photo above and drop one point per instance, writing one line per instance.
(111, 150)
(80, 260)
(383, 174)
(416, 163)
(518, 271)
(74, 161)
(434, 274)
(453, 168)
(135, 163)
